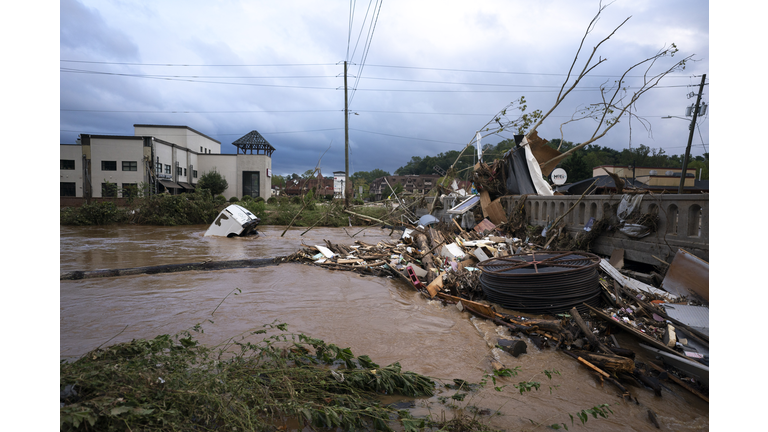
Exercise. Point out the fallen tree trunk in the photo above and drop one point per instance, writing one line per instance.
(172, 268)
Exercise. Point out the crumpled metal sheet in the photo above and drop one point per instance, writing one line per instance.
(692, 316)
(688, 275)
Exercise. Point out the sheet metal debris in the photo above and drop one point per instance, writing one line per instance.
(688, 275)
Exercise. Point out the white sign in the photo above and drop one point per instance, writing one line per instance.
(558, 176)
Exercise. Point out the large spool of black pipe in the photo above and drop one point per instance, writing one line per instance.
(542, 282)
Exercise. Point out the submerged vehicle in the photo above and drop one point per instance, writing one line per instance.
(234, 221)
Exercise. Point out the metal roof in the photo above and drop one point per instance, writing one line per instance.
(254, 141)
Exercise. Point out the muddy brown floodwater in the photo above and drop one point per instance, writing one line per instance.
(380, 317)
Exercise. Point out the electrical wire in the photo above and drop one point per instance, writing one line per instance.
(372, 29)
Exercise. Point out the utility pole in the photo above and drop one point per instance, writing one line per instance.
(690, 134)
(346, 140)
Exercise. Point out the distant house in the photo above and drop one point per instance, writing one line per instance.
(322, 186)
(661, 180)
(412, 185)
(160, 158)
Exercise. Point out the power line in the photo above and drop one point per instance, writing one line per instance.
(372, 29)
(355, 89)
(197, 112)
(197, 65)
(370, 65)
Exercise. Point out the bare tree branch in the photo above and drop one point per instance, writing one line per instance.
(588, 66)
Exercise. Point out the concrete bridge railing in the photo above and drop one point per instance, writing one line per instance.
(683, 222)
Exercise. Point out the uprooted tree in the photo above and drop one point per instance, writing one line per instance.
(616, 99)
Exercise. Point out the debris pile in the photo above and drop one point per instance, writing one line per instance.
(572, 301)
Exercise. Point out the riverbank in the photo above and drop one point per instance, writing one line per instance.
(200, 208)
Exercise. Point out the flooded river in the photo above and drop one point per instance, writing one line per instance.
(380, 317)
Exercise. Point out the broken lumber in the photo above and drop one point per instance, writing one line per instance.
(613, 363)
(603, 374)
(679, 382)
(588, 333)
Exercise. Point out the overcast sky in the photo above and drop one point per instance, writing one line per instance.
(424, 76)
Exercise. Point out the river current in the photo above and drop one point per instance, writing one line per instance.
(381, 317)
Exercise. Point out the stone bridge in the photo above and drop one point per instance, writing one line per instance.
(683, 222)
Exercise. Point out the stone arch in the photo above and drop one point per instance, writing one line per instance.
(694, 221)
(672, 219)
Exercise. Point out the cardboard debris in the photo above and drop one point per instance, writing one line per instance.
(452, 251)
(493, 210)
(484, 225)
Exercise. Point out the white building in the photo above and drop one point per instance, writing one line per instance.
(339, 177)
(161, 158)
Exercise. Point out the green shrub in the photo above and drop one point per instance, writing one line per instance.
(259, 199)
(258, 208)
(220, 200)
(272, 200)
(214, 182)
(233, 200)
(296, 199)
(247, 198)
(197, 207)
(97, 213)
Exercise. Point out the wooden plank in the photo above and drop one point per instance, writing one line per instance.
(493, 210)
(434, 287)
(481, 308)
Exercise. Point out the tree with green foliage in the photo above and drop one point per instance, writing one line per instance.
(368, 176)
(278, 180)
(214, 182)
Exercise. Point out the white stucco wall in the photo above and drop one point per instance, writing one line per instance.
(259, 163)
(116, 149)
(75, 153)
(180, 135)
(226, 165)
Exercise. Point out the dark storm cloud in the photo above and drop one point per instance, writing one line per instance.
(418, 89)
(84, 34)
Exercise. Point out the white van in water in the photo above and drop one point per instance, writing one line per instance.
(233, 221)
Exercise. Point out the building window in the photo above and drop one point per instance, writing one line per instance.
(67, 189)
(159, 168)
(201, 149)
(178, 170)
(109, 165)
(67, 164)
(167, 169)
(185, 172)
(130, 190)
(130, 166)
(194, 173)
(251, 183)
(109, 190)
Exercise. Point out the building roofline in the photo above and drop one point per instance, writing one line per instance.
(115, 136)
(177, 127)
(643, 167)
